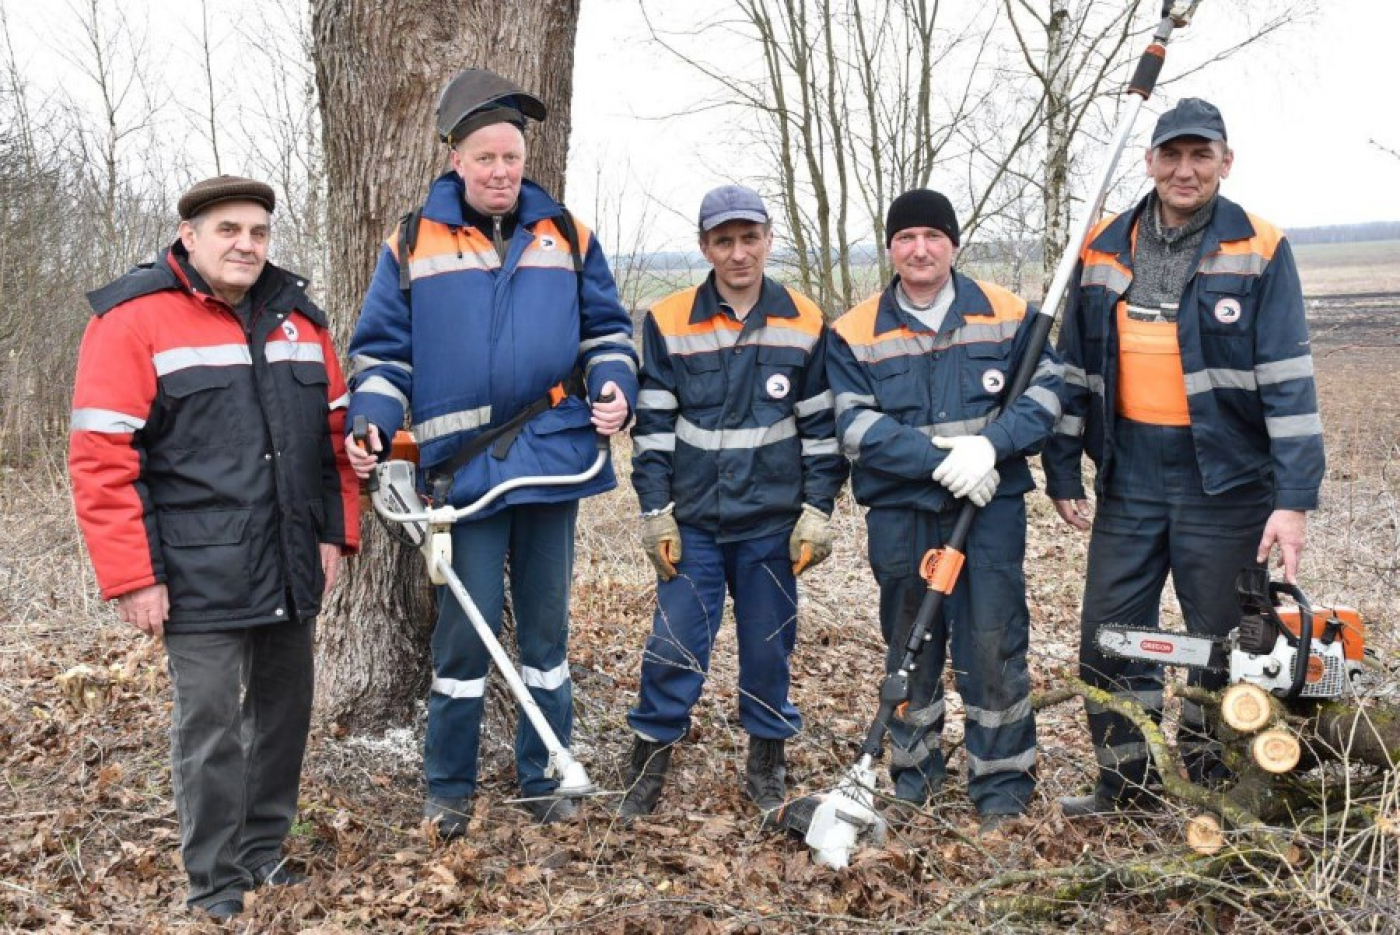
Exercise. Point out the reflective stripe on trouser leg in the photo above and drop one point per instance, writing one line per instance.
(989, 631)
(460, 662)
(916, 757)
(689, 609)
(765, 611)
(541, 570)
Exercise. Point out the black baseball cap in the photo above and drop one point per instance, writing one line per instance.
(1190, 117)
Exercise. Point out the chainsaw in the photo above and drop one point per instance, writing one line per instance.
(1290, 649)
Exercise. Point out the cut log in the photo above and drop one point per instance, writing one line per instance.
(1276, 750)
(1247, 708)
(1204, 834)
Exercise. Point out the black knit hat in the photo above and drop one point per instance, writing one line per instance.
(921, 207)
(225, 188)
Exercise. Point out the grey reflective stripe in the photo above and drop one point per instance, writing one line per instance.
(1070, 425)
(980, 334)
(1020, 763)
(914, 346)
(215, 355)
(683, 344)
(1218, 378)
(926, 716)
(1110, 277)
(624, 359)
(547, 679)
(483, 261)
(1150, 700)
(855, 433)
(278, 352)
(617, 337)
(379, 386)
(845, 402)
(772, 335)
(953, 429)
(1075, 376)
(546, 259)
(1048, 368)
(1096, 384)
(1112, 758)
(1047, 398)
(992, 719)
(657, 399)
(811, 404)
(341, 402)
(1294, 368)
(1250, 264)
(730, 439)
(661, 441)
(464, 420)
(108, 421)
(1293, 426)
(362, 362)
(916, 755)
(460, 688)
(812, 447)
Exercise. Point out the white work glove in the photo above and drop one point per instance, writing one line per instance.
(983, 493)
(971, 458)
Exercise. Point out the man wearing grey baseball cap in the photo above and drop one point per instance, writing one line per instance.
(736, 466)
(1189, 383)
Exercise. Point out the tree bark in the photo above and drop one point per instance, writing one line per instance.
(379, 68)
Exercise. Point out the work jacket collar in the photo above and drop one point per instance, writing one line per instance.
(446, 202)
(967, 300)
(276, 289)
(1230, 223)
(773, 302)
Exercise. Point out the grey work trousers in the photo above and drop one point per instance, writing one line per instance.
(237, 738)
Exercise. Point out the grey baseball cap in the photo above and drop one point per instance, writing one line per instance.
(1190, 117)
(731, 203)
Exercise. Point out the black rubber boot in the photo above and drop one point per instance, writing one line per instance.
(766, 773)
(646, 774)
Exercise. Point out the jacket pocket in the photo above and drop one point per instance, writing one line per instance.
(701, 382)
(985, 373)
(311, 383)
(1225, 304)
(890, 542)
(897, 392)
(201, 408)
(206, 560)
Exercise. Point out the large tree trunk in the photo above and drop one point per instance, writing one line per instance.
(379, 68)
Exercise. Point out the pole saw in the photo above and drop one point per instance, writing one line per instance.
(831, 823)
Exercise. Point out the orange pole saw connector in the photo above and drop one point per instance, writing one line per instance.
(941, 568)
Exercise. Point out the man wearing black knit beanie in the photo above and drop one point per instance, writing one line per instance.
(920, 373)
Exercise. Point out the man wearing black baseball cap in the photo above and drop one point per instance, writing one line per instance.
(920, 373)
(213, 491)
(736, 466)
(1189, 383)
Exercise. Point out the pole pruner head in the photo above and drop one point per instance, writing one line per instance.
(1179, 13)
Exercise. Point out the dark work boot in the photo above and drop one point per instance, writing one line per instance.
(766, 774)
(646, 774)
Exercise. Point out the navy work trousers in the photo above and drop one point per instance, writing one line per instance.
(987, 624)
(1153, 518)
(758, 572)
(539, 539)
(237, 738)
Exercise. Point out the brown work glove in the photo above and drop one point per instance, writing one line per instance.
(810, 542)
(661, 538)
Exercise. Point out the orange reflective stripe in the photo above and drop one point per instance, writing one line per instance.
(1151, 385)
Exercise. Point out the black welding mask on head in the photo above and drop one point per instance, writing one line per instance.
(476, 98)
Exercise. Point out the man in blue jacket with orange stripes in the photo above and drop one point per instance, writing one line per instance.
(484, 323)
(1190, 386)
(920, 373)
(736, 467)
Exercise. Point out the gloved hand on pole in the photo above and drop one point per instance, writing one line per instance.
(968, 468)
(810, 542)
(661, 538)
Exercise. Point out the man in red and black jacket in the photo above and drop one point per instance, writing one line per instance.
(212, 488)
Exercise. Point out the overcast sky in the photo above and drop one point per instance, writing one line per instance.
(1301, 115)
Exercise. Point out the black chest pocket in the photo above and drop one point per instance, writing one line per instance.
(204, 407)
(777, 382)
(700, 381)
(310, 384)
(898, 391)
(1225, 304)
(986, 370)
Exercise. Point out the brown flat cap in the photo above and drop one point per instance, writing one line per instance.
(225, 188)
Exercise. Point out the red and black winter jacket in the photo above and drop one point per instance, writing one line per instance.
(207, 456)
